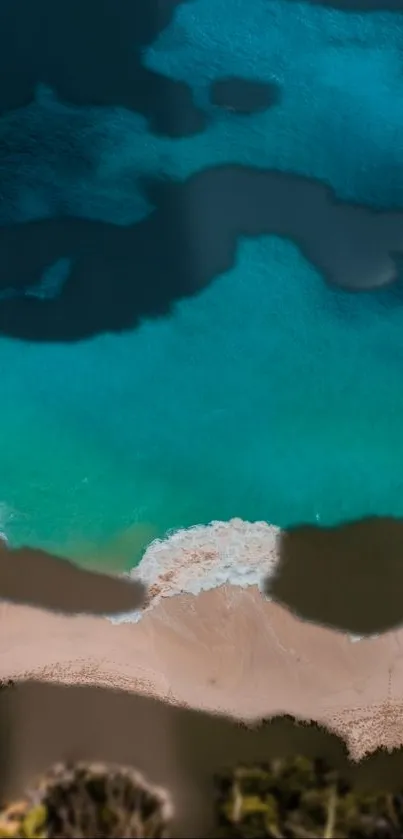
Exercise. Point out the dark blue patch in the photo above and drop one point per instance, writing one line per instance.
(122, 274)
(244, 96)
(90, 53)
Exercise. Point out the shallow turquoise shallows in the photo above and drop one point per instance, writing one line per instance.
(268, 394)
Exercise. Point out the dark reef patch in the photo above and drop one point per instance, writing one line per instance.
(91, 53)
(119, 275)
(244, 96)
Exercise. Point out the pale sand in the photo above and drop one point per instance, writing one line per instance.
(226, 650)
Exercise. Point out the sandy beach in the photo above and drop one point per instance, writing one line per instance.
(206, 650)
(225, 651)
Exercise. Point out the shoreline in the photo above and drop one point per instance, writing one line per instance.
(205, 557)
(206, 644)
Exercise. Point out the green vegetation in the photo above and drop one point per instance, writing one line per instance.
(286, 799)
(302, 799)
(89, 800)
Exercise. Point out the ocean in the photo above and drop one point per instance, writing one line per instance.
(181, 340)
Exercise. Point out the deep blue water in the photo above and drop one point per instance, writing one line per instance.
(191, 328)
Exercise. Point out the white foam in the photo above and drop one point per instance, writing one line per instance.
(203, 557)
(356, 638)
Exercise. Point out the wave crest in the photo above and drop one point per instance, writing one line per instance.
(204, 557)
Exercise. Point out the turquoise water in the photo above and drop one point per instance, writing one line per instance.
(267, 395)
